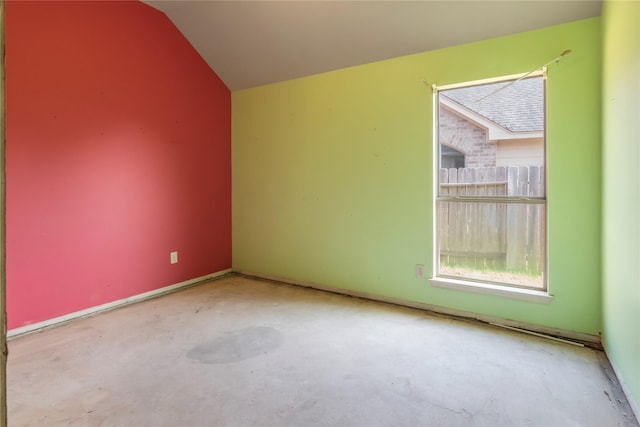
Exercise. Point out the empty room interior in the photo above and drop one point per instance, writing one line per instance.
(322, 213)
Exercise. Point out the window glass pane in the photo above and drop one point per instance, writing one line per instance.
(492, 242)
(489, 125)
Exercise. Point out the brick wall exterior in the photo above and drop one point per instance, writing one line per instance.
(467, 138)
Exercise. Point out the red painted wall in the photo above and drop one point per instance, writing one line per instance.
(118, 152)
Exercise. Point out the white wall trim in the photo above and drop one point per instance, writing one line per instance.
(632, 403)
(113, 304)
(581, 337)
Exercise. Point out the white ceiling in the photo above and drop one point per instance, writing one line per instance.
(252, 43)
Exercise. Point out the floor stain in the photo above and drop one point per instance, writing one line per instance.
(238, 345)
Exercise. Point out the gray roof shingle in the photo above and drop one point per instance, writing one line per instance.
(517, 108)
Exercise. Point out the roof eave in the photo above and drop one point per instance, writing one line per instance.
(494, 131)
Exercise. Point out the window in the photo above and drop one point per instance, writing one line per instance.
(491, 188)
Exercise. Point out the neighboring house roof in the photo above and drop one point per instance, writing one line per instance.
(517, 108)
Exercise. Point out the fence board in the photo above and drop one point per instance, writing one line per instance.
(443, 212)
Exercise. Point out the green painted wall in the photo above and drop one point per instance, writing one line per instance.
(621, 207)
(332, 174)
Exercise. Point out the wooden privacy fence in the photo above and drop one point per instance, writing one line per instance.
(492, 235)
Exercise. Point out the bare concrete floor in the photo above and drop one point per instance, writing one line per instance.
(241, 352)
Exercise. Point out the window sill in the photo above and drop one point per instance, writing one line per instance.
(492, 289)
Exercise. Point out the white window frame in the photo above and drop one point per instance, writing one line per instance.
(472, 285)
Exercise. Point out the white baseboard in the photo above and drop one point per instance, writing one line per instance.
(625, 389)
(12, 333)
(577, 336)
(580, 337)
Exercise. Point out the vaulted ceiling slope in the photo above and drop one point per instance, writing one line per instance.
(252, 43)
